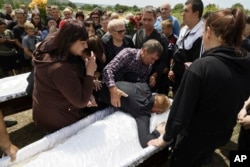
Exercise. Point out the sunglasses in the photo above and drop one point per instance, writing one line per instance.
(95, 17)
(120, 31)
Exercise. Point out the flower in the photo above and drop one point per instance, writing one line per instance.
(40, 7)
(131, 26)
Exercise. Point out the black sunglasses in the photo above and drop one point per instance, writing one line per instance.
(120, 31)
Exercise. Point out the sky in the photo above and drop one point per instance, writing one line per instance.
(157, 3)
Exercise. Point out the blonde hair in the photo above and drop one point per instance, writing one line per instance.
(162, 102)
(29, 25)
(68, 9)
(114, 23)
(167, 23)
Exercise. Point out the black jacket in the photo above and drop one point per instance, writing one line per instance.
(109, 47)
(211, 94)
(164, 60)
(139, 103)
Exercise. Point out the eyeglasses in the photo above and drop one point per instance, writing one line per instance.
(120, 31)
(95, 17)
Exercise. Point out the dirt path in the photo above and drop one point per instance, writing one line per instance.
(25, 133)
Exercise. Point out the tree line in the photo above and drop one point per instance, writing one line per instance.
(89, 7)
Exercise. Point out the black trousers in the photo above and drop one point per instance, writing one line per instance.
(193, 150)
(244, 139)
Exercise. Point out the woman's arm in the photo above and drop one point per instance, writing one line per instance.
(5, 143)
(143, 124)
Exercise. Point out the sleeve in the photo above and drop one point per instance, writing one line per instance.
(75, 90)
(176, 29)
(43, 35)
(183, 106)
(143, 123)
(164, 59)
(25, 42)
(121, 60)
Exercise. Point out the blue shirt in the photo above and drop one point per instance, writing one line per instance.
(126, 66)
(176, 26)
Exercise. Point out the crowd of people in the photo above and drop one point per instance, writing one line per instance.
(83, 64)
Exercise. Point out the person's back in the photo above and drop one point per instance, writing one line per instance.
(227, 76)
(219, 85)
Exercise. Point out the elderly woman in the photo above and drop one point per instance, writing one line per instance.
(116, 40)
(219, 85)
(63, 81)
(68, 14)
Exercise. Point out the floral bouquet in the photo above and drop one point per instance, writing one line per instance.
(131, 26)
(40, 7)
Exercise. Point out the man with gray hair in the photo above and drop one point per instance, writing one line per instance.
(165, 10)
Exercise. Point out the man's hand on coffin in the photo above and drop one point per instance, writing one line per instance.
(161, 128)
(115, 95)
(159, 142)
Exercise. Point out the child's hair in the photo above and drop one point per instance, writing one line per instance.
(162, 102)
(167, 23)
(29, 25)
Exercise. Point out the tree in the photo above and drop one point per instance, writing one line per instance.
(237, 5)
(211, 8)
(178, 8)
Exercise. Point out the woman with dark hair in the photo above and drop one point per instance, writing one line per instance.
(90, 26)
(96, 17)
(37, 22)
(63, 81)
(95, 45)
(218, 84)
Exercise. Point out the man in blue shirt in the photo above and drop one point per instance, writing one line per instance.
(165, 14)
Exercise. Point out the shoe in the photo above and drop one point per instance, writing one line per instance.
(10, 123)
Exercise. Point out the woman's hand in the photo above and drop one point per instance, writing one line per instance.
(161, 128)
(159, 142)
(92, 102)
(152, 81)
(90, 65)
(245, 122)
(171, 76)
(97, 84)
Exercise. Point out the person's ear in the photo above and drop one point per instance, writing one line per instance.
(208, 32)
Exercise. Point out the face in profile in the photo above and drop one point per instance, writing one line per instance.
(78, 47)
